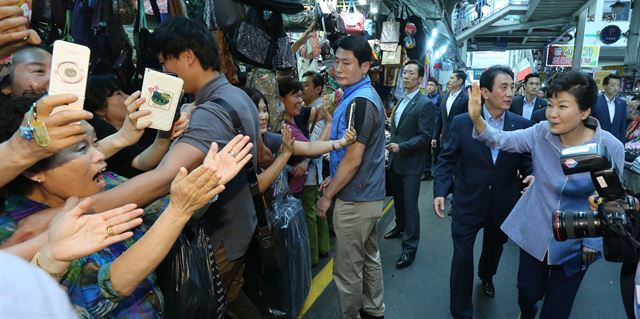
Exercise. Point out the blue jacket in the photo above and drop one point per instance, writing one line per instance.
(619, 126)
(529, 223)
(483, 190)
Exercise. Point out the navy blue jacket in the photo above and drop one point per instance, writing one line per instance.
(619, 126)
(481, 187)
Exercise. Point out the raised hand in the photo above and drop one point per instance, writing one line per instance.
(349, 137)
(13, 29)
(191, 192)
(76, 232)
(132, 129)
(231, 159)
(286, 148)
(62, 127)
(475, 101)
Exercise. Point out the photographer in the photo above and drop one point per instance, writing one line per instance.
(627, 271)
(550, 269)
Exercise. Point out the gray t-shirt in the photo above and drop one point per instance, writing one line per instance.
(231, 220)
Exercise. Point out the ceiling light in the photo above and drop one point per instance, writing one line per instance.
(434, 32)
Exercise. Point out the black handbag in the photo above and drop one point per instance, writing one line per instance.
(263, 41)
(142, 39)
(266, 243)
(281, 6)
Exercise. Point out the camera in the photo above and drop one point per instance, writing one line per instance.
(616, 219)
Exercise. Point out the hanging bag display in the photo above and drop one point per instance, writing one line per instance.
(229, 14)
(390, 34)
(392, 58)
(353, 19)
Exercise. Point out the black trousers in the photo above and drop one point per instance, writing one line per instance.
(461, 280)
(537, 280)
(406, 190)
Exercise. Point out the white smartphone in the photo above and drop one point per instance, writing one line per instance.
(162, 93)
(353, 110)
(69, 72)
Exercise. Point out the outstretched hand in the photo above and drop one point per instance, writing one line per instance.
(77, 231)
(231, 159)
(475, 101)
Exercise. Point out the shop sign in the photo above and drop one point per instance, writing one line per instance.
(560, 55)
(610, 34)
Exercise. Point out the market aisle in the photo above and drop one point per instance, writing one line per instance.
(422, 290)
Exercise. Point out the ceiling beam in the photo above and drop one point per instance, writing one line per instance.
(584, 7)
(520, 35)
(489, 20)
(528, 25)
(533, 5)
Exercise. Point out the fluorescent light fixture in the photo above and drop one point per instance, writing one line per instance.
(362, 2)
(438, 54)
(430, 43)
(434, 33)
(374, 10)
(443, 49)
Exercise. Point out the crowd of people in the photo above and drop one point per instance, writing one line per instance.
(97, 200)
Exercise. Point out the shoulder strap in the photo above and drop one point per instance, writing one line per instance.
(258, 200)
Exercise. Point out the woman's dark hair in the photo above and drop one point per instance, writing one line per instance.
(576, 83)
(255, 95)
(288, 86)
(99, 88)
(13, 110)
(175, 35)
(356, 44)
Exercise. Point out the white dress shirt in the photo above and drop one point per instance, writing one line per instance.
(452, 97)
(403, 104)
(612, 107)
(527, 108)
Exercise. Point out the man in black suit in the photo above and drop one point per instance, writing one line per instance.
(611, 110)
(411, 128)
(528, 103)
(486, 189)
(539, 116)
(452, 103)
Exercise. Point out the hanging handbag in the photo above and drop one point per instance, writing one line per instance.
(125, 10)
(390, 34)
(142, 40)
(392, 58)
(227, 66)
(353, 19)
(299, 21)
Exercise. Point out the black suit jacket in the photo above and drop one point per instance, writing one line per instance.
(412, 135)
(443, 123)
(619, 126)
(539, 116)
(517, 104)
(482, 189)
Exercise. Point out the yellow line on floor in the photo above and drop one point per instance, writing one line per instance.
(324, 278)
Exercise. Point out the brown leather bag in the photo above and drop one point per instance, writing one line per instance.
(177, 8)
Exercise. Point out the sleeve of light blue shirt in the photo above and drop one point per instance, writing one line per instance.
(518, 141)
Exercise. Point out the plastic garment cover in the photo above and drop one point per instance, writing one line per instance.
(189, 277)
(292, 242)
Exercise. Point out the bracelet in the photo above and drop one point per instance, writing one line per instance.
(36, 258)
(333, 146)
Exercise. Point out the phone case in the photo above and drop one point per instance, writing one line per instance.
(162, 94)
(25, 5)
(69, 71)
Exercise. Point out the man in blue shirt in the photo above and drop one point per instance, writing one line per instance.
(357, 184)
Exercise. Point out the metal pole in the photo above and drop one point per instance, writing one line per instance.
(631, 55)
(579, 40)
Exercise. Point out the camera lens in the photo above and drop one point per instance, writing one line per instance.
(570, 225)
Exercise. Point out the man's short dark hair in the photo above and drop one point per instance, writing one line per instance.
(609, 77)
(288, 86)
(356, 44)
(420, 67)
(317, 79)
(581, 86)
(178, 34)
(531, 75)
(434, 81)
(460, 75)
(489, 75)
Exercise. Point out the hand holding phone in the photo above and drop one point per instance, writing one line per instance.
(69, 71)
(162, 92)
